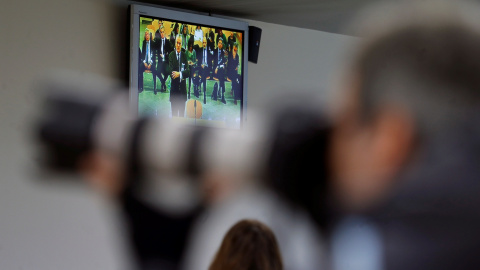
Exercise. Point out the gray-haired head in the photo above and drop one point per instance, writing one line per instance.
(179, 36)
(178, 43)
(422, 58)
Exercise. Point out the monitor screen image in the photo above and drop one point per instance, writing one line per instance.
(188, 67)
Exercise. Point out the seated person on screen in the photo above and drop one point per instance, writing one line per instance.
(192, 62)
(211, 49)
(175, 32)
(233, 66)
(164, 47)
(204, 64)
(221, 35)
(219, 64)
(147, 60)
(198, 37)
(185, 37)
(231, 40)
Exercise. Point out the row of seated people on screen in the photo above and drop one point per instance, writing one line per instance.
(202, 63)
(196, 33)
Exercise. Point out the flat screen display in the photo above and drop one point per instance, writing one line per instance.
(188, 67)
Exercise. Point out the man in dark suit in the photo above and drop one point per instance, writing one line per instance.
(211, 48)
(179, 71)
(204, 64)
(231, 41)
(219, 64)
(147, 60)
(221, 35)
(140, 71)
(163, 48)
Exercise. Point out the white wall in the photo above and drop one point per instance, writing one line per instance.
(295, 60)
(63, 225)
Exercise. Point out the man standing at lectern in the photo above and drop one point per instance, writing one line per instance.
(179, 71)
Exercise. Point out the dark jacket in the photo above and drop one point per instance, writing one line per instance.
(168, 48)
(432, 219)
(143, 56)
(178, 90)
(220, 61)
(232, 64)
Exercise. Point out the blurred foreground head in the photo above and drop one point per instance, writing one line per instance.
(249, 244)
(414, 83)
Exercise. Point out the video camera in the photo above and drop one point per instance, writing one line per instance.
(286, 148)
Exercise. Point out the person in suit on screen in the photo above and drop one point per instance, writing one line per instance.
(204, 64)
(221, 35)
(231, 40)
(148, 61)
(211, 48)
(198, 37)
(185, 37)
(179, 70)
(219, 64)
(163, 48)
(233, 67)
(175, 31)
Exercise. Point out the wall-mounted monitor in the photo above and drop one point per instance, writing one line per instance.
(188, 67)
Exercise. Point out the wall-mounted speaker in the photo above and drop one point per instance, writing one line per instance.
(254, 35)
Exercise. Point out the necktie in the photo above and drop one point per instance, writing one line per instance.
(163, 44)
(205, 56)
(148, 52)
(178, 57)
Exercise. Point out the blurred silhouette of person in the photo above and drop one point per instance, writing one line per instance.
(248, 245)
(405, 149)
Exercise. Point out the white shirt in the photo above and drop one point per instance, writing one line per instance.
(220, 58)
(162, 49)
(205, 56)
(148, 56)
(179, 64)
(198, 35)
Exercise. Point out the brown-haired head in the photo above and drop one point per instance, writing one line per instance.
(248, 245)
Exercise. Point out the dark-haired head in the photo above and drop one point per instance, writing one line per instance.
(190, 45)
(248, 245)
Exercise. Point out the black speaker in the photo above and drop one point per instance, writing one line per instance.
(254, 34)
